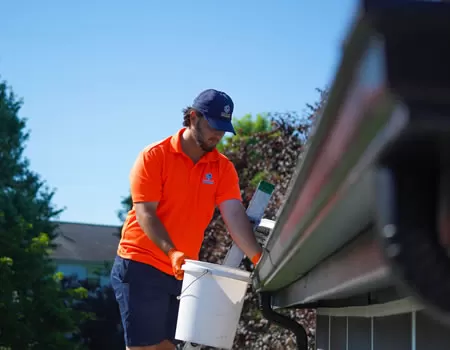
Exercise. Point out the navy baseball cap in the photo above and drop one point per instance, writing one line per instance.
(217, 107)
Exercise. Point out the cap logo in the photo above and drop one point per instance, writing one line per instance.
(226, 112)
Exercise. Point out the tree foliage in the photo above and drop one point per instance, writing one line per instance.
(245, 127)
(35, 312)
(101, 327)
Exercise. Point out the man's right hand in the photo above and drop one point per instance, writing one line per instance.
(177, 259)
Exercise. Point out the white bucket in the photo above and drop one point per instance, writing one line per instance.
(211, 303)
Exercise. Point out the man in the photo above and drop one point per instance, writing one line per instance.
(176, 184)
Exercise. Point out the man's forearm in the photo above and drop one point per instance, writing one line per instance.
(156, 231)
(241, 231)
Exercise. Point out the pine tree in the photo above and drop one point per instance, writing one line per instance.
(35, 311)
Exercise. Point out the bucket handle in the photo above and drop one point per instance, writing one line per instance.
(205, 271)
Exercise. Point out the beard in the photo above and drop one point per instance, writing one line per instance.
(199, 136)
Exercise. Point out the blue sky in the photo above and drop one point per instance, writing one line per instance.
(101, 79)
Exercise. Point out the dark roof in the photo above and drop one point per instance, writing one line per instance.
(85, 242)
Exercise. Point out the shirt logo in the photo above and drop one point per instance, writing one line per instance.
(208, 179)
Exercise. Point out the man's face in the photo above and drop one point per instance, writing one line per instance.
(206, 136)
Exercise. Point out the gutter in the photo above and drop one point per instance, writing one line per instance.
(376, 159)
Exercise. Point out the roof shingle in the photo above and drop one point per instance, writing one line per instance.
(85, 242)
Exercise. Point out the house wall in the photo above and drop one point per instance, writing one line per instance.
(82, 270)
(399, 325)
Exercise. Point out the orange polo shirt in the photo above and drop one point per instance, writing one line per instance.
(187, 194)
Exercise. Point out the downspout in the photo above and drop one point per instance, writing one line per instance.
(283, 321)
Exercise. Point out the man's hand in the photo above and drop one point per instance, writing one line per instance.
(241, 229)
(177, 259)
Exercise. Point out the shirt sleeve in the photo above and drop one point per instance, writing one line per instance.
(228, 187)
(146, 177)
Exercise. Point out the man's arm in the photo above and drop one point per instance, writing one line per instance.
(152, 226)
(146, 190)
(240, 228)
(155, 230)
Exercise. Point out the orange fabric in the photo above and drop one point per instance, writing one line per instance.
(255, 258)
(187, 196)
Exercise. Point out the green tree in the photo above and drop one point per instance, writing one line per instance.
(35, 311)
(102, 328)
(245, 127)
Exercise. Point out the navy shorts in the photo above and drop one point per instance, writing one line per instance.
(147, 299)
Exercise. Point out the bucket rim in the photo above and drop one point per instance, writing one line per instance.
(216, 269)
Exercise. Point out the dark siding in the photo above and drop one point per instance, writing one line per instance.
(359, 333)
(392, 332)
(431, 335)
(338, 338)
(322, 332)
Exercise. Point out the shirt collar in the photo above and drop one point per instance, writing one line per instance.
(175, 146)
